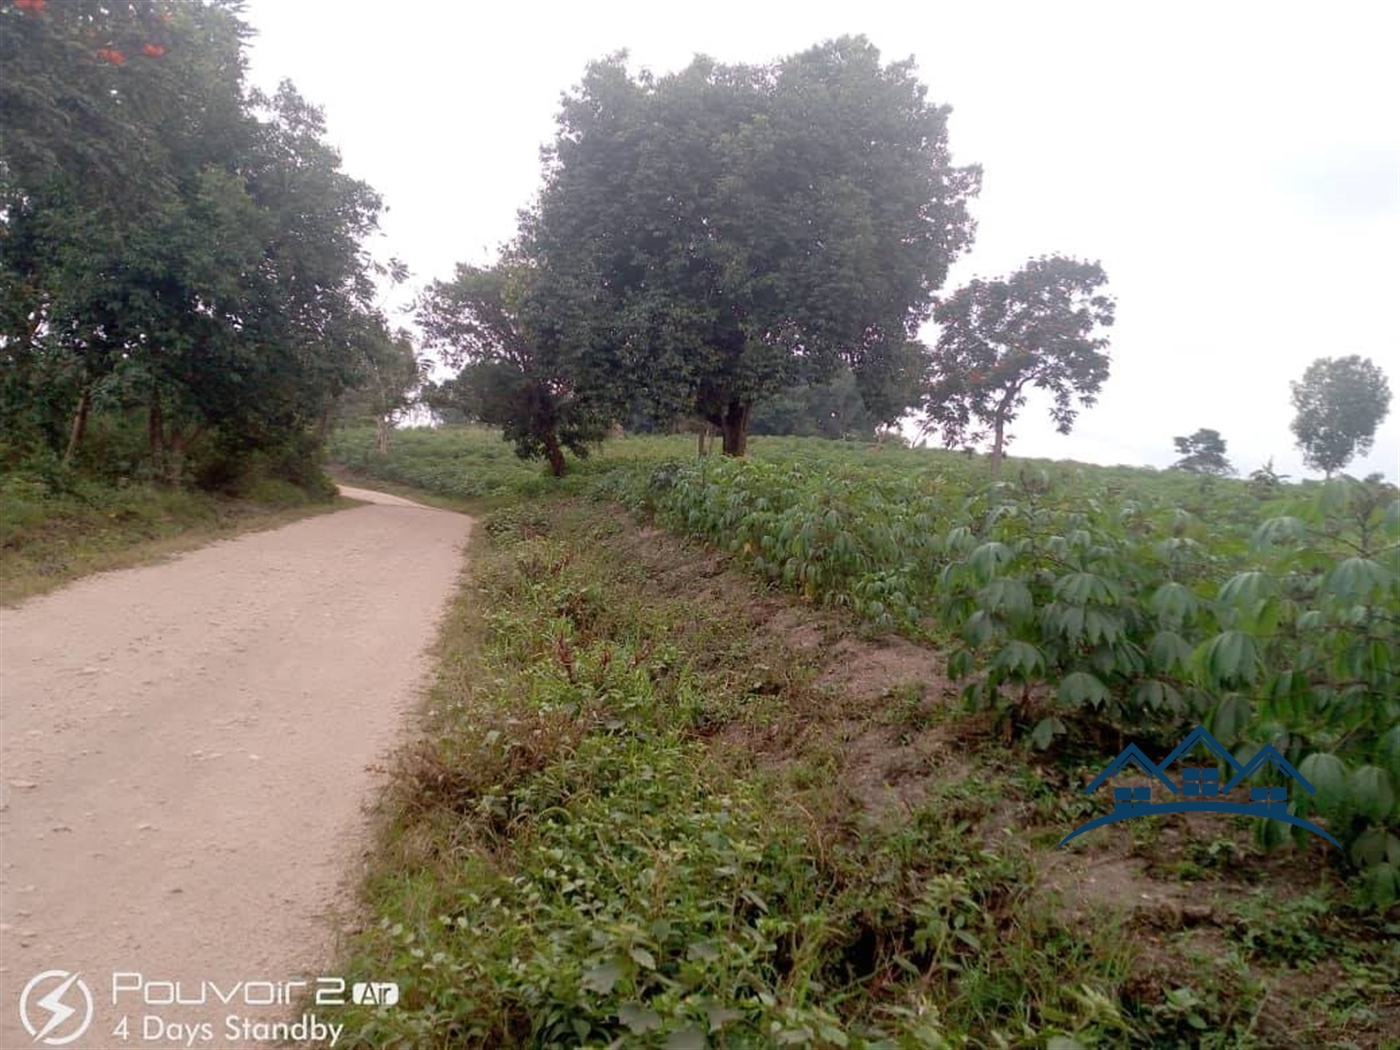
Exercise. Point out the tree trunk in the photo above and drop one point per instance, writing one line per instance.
(168, 447)
(155, 431)
(736, 428)
(555, 455)
(997, 445)
(382, 433)
(175, 447)
(75, 436)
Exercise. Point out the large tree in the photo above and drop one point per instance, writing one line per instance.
(709, 238)
(1340, 401)
(172, 244)
(1040, 328)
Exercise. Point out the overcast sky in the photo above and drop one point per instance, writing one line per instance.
(1234, 165)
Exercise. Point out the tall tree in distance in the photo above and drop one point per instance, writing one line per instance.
(1339, 403)
(1202, 453)
(717, 235)
(388, 375)
(511, 375)
(1041, 328)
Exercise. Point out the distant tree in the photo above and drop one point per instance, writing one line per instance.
(448, 401)
(1340, 401)
(389, 375)
(835, 409)
(712, 237)
(512, 376)
(1039, 328)
(1202, 453)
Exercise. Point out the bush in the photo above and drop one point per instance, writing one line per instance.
(228, 466)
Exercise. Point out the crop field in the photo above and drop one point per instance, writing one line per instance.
(1083, 605)
(876, 743)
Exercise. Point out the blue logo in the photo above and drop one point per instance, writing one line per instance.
(1200, 790)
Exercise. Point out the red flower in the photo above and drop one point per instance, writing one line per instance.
(111, 54)
(30, 5)
(153, 50)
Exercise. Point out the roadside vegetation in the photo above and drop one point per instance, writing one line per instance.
(54, 529)
(658, 802)
(1081, 606)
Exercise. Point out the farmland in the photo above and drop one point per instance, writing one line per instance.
(836, 711)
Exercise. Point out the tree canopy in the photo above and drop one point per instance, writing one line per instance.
(1202, 453)
(511, 375)
(170, 241)
(834, 409)
(1339, 403)
(1040, 328)
(709, 238)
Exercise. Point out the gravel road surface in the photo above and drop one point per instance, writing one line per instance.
(185, 768)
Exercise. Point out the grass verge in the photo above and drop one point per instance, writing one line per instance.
(46, 540)
(656, 806)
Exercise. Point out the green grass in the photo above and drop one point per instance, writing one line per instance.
(48, 538)
(472, 462)
(574, 862)
(633, 822)
(465, 463)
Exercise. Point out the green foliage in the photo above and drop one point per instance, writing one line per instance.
(1039, 328)
(588, 871)
(1202, 453)
(709, 238)
(472, 462)
(390, 376)
(834, 409)
(1079, 604)
(578, 829)
(1265, 481)
(173, 243)
(1289, 643)
(1339, 403)
(1073, 600)
(518, 377)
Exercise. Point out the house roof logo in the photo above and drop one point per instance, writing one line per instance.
(1200, 790)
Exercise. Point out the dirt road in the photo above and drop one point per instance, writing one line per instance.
(183, 753)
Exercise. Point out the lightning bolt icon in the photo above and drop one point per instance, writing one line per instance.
(59, 1011)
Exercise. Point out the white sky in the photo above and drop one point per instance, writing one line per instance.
(1234, 165)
